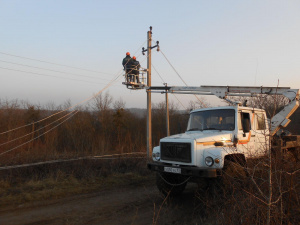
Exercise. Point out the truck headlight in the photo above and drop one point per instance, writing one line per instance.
(209, 161)
(156, 155)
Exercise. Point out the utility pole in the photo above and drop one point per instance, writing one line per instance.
(167, 111)
(149, 114)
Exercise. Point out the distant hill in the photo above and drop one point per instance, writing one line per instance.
(143, 112)
(138, 112)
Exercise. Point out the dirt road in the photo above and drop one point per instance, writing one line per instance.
(129, 205)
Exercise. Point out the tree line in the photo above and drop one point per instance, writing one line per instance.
(103, 126)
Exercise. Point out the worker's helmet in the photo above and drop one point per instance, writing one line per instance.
(127, 53)
(134, 57)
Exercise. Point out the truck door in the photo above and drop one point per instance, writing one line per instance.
(246, 133)
(261, 134)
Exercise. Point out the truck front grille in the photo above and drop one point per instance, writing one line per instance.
(174, 151)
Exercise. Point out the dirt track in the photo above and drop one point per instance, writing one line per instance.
(130, 205)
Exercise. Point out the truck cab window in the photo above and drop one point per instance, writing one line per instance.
(260, 121)
(221, 119)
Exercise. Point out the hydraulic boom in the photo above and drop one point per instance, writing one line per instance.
(281, 119)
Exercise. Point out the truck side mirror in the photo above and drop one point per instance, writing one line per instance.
(246, 125)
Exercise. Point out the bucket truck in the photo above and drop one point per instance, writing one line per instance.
(220, 136)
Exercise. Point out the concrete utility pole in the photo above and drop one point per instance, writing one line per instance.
(149, 114)
(167, 111)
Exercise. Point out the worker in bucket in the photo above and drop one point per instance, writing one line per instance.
(135, 67)
(127, 64)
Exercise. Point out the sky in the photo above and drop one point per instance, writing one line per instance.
(57, 51)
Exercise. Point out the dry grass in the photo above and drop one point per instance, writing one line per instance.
(47, 182)
(236, 201)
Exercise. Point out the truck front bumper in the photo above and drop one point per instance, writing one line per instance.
(184, 170)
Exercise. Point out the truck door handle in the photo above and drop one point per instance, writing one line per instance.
(253, 135)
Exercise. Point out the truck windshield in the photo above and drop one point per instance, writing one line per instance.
(220, 119)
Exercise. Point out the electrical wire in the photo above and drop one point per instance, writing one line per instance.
(37, 129)
(181, 78)
(120, 154)
(57, 64)
(79, 158)
(19, 64)
(158, 73)
(180, 102)
(46, 75)
(165, 82)
(2, 153)
(140, 48)
(173, 68)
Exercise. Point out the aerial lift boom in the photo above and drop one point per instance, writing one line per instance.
(281, 119)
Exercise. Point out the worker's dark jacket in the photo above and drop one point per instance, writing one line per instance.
(135, 66)
(127, 61)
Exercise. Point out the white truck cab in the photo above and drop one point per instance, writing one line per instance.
(211, 135)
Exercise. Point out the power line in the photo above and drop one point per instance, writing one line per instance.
(57, 64)
(158, 73)
(52, 70)
(165, 82)
(180, 102)
(47, 75)
(181, 78)
(2, 153)
(173, 68)
(37, 129)
(79, 158)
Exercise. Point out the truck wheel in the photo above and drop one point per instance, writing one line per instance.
(203, 184)
(233, 174)
(170, 184)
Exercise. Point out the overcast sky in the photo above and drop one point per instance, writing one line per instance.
(242, 43)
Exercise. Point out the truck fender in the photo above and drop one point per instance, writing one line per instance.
(217, 153)
(223, 154)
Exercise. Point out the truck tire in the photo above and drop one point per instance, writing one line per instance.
(170, 184)
(233, 174)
